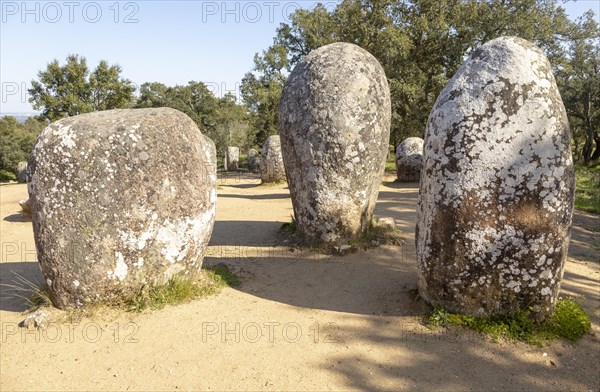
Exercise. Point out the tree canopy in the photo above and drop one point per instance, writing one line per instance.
(421, 44)
(17, 140)
(70, 89)
(221, 119)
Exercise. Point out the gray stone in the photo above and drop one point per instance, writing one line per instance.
(25, 207)
(232, 158)
(22, 172)
(409, 160)
(121, 199)
(387, 223)
(334, 122)
(271, 161)
(496, 197)
(39, 319)
(344, 249)
(253, 161)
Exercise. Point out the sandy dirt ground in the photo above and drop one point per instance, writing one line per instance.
(298, 321)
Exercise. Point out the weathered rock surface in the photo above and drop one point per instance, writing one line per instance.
(232, 158)
(271, 161)
(497, 186)
(22, 172)
(253, 161)
(334, 122)
(409, 159)
(120, 199)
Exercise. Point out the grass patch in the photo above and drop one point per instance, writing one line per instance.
(289, 227)
(569, 322)
(587, 190)
(376, 235)
(181, 289)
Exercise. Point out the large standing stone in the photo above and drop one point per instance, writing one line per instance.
(497, 186)
(271, 161)
(334, 122)
(121, 199)
(22, 172)
(232, 158)
(409, 159)
(253, 161)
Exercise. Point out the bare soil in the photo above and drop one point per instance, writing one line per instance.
(298, 321)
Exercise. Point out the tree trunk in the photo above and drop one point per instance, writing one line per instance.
(596, 153)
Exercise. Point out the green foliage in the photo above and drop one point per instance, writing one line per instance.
(221, 119)
(587, 191)
(261, 91)
(390, 162)
(6, 176)
(70, 89)
(569, 321)
(421, 44)
(579, 83)
(17, 141)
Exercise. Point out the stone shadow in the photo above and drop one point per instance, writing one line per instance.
(18, 280)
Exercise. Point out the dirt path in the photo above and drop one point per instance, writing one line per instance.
(299, 321)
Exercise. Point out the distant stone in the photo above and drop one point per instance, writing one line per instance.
(232, 158)
(496, 197)
(409, 159)
(271, 166)
(25, 207)
(121, 199)
(253, 161)
(334, 122)
(22, 172)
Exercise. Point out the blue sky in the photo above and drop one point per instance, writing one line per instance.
(170, 42)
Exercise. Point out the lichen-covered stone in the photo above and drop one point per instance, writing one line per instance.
(496, 197)
(120, 199)
(334, 122)
(253, 161)
(232, 158)
(409, 159)
(271, 160)
(22, 172)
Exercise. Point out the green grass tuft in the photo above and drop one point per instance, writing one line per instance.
(376, 235)
(289, 227)
(223, 276)
(181, 289)
(569, 321)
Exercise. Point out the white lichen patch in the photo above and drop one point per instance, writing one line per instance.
(120, 271)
